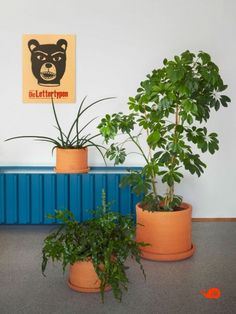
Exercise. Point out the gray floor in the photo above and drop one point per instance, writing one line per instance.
(169, 288)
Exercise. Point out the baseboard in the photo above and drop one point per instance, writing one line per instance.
(214, 219)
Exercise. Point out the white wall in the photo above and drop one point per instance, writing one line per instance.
(118, 43)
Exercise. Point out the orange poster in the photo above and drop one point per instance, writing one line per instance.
(48, 68)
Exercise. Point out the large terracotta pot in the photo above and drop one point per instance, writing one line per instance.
(83, 278)
(168, 233)
(71, 160)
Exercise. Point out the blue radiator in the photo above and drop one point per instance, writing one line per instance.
(28, 194)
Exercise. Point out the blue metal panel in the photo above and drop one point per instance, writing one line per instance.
(61, 194)
(2, 199)
(125, 200)
(113, 191)
(24, 199)
(11, 199)
(100, 185)
(49, 197)
(37, 212)
(75, 195)
(87, 196)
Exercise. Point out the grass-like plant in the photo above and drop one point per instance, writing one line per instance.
(171, 110)
(107, 239)
(75, 138)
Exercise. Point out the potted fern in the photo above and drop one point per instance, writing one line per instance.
(71, 148)
(170, 113)
(96, 250)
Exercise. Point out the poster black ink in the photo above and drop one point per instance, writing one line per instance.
(48, 68)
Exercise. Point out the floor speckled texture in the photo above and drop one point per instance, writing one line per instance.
(171, 287)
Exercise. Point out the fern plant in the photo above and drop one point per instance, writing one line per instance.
(107, 239)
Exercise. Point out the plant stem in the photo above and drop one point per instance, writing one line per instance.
(150, 158)
(139, 147)
(170, 190)
(147, 161)
(103, 202)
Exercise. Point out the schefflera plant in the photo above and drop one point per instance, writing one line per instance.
(171, 108)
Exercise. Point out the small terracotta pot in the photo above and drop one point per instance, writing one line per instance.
(83, 278)
(71, 160)
(168, 233)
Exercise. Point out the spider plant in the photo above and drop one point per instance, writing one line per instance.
(75, 139)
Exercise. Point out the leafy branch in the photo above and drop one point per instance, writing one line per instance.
(171, 106)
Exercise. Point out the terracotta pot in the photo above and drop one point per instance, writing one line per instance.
(168, 233)
(71, 160)
(83, 278)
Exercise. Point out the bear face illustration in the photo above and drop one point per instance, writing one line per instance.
(48, 61)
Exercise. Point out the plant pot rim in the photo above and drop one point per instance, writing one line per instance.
(184, 207)
(89, 260)
(171, 257)
(83, 289)
(70, 149)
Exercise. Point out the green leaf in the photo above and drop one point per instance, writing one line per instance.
(165, 103)
(189, 119)
(116, 153)
(37, 137)
(157, 154)
(179, 128)
(131, 99)
(151, 169)
(168, 178)
(187, 105)
(205, 57)
(153, 138)
(175, 73)
(217, 105)
(165, 61)
(165, 158)
(224, 100)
